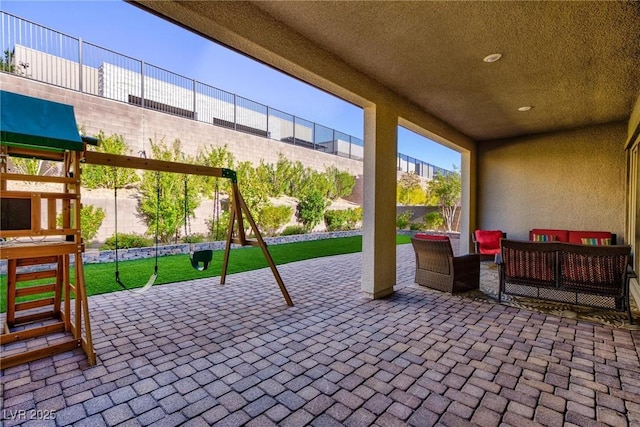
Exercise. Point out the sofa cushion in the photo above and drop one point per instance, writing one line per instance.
(560, 235)
(595, 241)
(577, 236)
(426, 236)
(488, 241)
(543, 238)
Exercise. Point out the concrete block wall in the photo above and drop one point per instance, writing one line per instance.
(138, 125)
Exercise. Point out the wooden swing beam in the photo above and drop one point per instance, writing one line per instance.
(237, 205)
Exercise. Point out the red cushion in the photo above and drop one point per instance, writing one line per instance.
(488, 241)
(561, 235)
(425, 236)
(577, 236)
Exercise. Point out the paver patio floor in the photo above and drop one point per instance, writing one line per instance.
(197, 353)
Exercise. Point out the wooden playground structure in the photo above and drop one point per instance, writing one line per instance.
(42, 228)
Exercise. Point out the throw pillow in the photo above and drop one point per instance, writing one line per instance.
(544, 238)
(595, 241)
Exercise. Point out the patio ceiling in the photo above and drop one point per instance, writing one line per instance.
(576, 63)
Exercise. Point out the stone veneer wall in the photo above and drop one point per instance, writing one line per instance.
(94, 257)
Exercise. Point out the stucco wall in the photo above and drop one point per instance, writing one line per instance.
(567, 180)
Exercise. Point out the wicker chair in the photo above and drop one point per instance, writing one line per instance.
(437, 268)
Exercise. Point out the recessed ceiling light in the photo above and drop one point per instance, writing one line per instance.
(493, 57)
(525, 108)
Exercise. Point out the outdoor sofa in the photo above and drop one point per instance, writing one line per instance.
(438, 268)
(573, 236)
(586, 275)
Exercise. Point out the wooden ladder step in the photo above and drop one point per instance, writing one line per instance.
(35, 290)
(65, 345)
(23, 262)
(36, 303)
(36, 275)
(11, 337)
(35, 317)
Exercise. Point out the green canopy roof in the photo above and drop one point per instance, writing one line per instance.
(30, 122)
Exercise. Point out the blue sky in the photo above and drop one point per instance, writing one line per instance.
(128, 30)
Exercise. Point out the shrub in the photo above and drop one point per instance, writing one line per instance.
(193, 238)
(355, 216)
(341, 183)
(293, 229)
(311, 209)
(345, 219)
(90, 221)
(126, 241)
(402, 220)
(336, 220)
(415, 226)
(218, 231)
(96, 176)
(433, 220)
(273, 217)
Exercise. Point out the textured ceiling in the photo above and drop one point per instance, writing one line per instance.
(576, 63)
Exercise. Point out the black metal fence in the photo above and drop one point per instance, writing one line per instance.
(46, 55)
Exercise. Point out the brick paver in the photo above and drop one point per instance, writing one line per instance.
(197, 353)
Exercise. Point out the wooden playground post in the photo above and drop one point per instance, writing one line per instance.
(44, 316)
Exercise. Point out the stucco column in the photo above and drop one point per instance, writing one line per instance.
(379, 223)
(467, 201)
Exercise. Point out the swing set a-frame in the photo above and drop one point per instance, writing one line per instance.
(237, 209)
(42, 228)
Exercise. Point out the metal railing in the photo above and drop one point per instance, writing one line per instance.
(49, 56)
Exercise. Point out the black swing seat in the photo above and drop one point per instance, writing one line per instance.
(200, 259)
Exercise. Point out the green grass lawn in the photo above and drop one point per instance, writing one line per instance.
(100, 278)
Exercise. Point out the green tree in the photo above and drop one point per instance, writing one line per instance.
(96, 176)
(447, 190)
(26, 166)
(341, 183)
(8, 63)
(410, 191)
(313, 181)
(254, 191)
(311, 209)
(90, 221)
(266, 173)
(170, 214)
(215, 157)
(433, 220)
(289, 177)
(273, 217)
